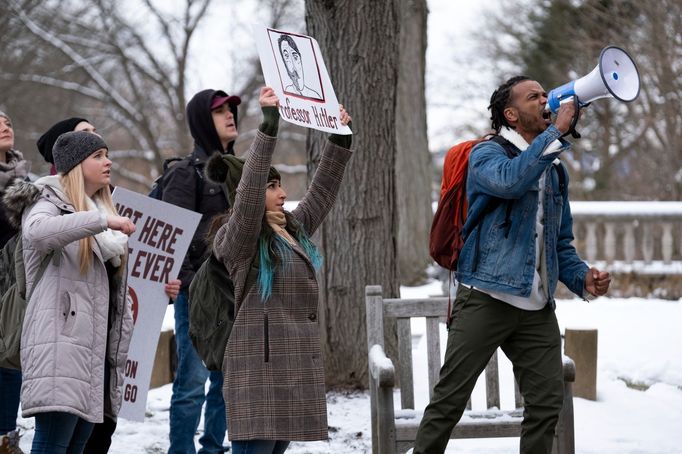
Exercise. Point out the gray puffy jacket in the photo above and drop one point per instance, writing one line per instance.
(65, 339)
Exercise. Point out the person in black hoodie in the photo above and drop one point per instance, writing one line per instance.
(212, 119)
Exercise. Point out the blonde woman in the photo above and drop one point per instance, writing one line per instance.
(78, 321)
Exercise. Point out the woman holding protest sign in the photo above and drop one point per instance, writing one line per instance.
(78, 321)
(274, 377)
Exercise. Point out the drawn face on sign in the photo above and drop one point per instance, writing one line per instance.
(292, 52)
(292, 61)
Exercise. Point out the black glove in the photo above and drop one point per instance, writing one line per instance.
(270, 122)
(342, 140)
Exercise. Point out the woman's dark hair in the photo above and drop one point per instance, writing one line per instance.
(500, 101)
(216, 222)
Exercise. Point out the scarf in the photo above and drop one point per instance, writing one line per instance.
(112, 244)
(519, 142)
(278, 221)
(15, 167)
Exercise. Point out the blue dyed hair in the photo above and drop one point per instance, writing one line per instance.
(273, 250)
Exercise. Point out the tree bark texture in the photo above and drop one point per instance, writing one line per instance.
(413, 168)
(359, 42)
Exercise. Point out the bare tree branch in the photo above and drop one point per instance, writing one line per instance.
(57, 42)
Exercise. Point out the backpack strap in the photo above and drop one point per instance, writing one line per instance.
(167, 163)
(8, 265)
(561, 173)
(511, 151)
(198, 186)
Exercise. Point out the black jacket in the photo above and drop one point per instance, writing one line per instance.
(181, 182)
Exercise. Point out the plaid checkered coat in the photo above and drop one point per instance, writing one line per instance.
(274, 377)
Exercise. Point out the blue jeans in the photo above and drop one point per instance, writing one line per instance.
(259, 446)
(10, 389)
(58, 433)
(189, 394)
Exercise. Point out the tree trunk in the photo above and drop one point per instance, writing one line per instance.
(359, 42)
(413, 167)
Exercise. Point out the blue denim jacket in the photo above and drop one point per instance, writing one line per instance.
(500, 256)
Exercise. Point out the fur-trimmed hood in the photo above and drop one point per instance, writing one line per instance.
(227, 169)
(23, 194)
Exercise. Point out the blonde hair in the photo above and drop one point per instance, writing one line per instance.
(73, 183)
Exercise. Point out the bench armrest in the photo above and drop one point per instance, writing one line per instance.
(381, 367)
(569, 369)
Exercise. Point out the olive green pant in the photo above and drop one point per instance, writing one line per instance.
(530, 339)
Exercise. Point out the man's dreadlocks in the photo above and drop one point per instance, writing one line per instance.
(500, 101)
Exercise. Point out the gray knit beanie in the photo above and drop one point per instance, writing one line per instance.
(72, 148)
(3, 114)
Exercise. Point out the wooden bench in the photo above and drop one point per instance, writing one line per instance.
(395, 431)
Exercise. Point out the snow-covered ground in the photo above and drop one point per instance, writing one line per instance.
(640, 342)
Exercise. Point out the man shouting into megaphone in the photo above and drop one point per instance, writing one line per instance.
(517, 245)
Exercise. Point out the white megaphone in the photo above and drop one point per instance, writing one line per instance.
(616, 75)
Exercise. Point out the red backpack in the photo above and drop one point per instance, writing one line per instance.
(446, 240)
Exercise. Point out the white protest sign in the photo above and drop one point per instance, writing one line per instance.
(293, 66)
(163, 233)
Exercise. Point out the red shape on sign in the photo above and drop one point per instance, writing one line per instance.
(133, 297)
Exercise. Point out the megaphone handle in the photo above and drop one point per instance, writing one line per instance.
(574, 121)
(575, 134)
